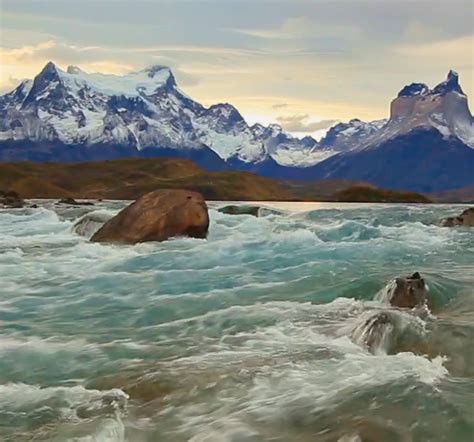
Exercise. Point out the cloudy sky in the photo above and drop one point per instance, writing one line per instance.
(304, 63)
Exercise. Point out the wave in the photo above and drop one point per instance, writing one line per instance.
(299, 366)
(53, 408)
(260, 330)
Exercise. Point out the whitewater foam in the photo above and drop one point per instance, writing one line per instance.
(246, 335)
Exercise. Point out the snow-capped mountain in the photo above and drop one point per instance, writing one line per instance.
(347, 136)
(444, 108)
(426, 145)
(286, 149)
(139, 112)
(74, 107)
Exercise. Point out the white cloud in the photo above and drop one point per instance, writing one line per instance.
(462, 48)
(303, 123)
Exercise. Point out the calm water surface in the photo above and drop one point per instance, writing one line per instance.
(245, 336)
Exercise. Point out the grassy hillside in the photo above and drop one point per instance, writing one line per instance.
(129, 178)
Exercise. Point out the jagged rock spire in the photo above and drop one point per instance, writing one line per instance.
(451, 84)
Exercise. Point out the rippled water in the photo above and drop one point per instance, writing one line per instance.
(245, 336)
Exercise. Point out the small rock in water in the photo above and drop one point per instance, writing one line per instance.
(158, 216)
(384, 332)
(239, 210)
(465, 219)
(248, 210)
(374, 332)
(145, 388)
(405, 292)
(73, 202)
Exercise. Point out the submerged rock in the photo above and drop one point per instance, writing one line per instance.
(405, 292)
(90, 223)
(11, 200)
(73, 202)
(389, 331)
(374, 332)
(144, 388)
(465, 219)
(158, 216)
(257, 211)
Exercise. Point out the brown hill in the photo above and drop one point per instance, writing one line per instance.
(368, 194)
(129, 178)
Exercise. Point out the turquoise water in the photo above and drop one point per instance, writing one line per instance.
(245, 336)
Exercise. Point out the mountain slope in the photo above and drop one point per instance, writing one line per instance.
(421, 160)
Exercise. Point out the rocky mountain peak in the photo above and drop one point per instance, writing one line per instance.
(414, 89)
(451, 84)
(162, 72)
(48, 81)
(225, 112)
(443, 108)
(49, 67)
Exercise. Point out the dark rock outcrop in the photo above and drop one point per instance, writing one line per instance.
(465, 219)
(158, 216)
(73, 202)
(239, 210)
(405, 292)
(11, 200)
(248, 210)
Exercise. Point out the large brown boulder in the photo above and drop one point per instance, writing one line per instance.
(405, 292)
(157, 216)
(465, 219)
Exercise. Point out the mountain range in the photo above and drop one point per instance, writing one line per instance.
(427, 143)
